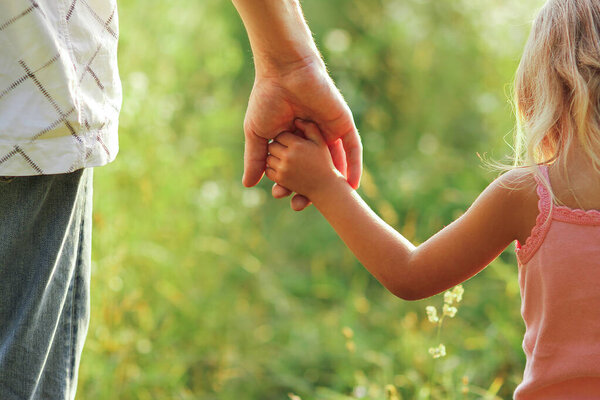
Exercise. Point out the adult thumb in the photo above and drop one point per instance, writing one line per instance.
(311, 131)
(255, 155)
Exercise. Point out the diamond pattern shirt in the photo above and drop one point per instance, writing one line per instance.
(60, 93)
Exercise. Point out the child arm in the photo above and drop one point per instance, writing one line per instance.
(454, 254)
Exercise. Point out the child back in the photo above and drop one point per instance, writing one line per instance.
(559, 277)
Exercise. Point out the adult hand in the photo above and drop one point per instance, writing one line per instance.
(291, 82)
(302, 90)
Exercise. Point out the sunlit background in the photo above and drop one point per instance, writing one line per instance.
(202, 289)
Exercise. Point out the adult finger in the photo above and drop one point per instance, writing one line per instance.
(299, 202)
(279, 192)
(353, 149)
(277, 149)
(255, 154)
(338, 155)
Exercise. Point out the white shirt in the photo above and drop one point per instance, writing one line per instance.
(60, 93)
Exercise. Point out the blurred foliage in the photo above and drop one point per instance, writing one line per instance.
(203, 289)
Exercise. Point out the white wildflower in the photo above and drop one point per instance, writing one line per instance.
(454, 295)
(458, 293)
(449, 311)
(448, 297)
(437, 352)
(432, 314)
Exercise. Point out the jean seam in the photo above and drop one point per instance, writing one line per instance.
(76, 284)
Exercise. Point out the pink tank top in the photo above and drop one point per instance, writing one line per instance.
(559, 277)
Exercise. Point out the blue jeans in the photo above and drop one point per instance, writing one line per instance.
(45, 238)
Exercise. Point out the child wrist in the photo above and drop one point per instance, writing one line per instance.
(328, 190)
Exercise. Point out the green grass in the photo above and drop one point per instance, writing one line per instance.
(203, 289)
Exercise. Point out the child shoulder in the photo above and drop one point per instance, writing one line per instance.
(514, 189)
(517, 196)
(518, 181)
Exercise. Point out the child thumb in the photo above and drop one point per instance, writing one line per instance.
(311, 131)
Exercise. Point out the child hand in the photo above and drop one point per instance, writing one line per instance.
(301, 165)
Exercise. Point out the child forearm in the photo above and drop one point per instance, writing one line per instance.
(451, 256)
(381, 249)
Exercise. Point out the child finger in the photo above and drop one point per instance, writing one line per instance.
(273, 162)
(299, 133)
(287, 139)
(311, 131)
(299, 202)
(279, 192)
(271, 174)
(277, 149)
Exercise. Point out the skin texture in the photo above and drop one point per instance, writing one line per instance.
(505, 211)
(291, 82)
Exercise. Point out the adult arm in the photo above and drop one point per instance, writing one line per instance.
(291, 82)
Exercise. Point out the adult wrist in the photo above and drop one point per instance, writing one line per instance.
(281, 40)
(274, 65)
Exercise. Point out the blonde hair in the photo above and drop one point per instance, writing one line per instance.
(557, 85)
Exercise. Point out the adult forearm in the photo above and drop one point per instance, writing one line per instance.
(279, 36)
(381, 249)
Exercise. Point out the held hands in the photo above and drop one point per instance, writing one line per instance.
(291, 82)
(303, 165)
(304, 91)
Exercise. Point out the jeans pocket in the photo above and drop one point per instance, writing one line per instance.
(6, 179)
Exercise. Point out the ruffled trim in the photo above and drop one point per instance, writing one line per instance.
(542, 222)
(548, 212)
(576, 215)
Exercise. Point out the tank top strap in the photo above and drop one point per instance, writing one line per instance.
(561, 212)
(544, 190)
(544, 217)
